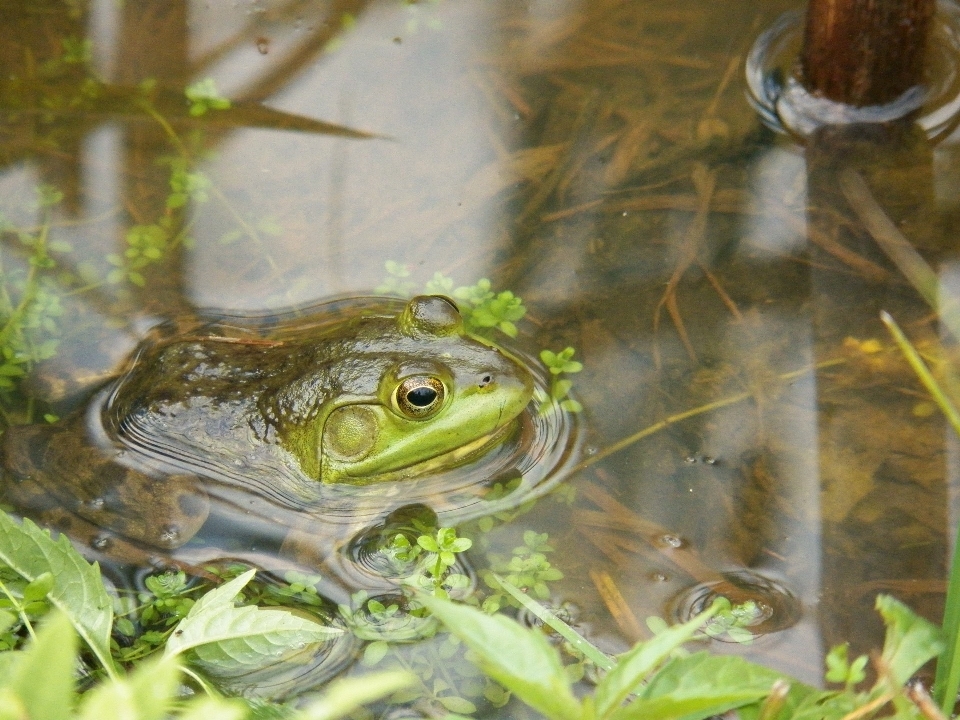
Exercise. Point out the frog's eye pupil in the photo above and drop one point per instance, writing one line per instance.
(419, 396)
(422, 396)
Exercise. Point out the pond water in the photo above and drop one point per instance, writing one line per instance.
(748, 425)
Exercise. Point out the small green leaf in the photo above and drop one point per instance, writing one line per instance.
(428, 543)
(145, 695)
(214, 708)
(375, 652)
(37, 589)
(342, 697)
(458, 705)
(42, 677)
(910, 640)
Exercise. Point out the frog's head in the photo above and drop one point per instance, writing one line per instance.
(419, 394)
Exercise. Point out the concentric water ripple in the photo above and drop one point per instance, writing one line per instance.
(776, 608)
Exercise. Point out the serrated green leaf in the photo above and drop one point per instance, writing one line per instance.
(518, 658)
(145, 695)
(77, 590)
(698, 686)
(229, 638)
(636, 664)
(344, 696)
(37, 589)
(42, 678)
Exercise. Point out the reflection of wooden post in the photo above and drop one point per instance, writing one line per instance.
(153, 43)
(865, 52)
(866, 540)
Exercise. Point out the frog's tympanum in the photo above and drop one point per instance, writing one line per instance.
(380, 398)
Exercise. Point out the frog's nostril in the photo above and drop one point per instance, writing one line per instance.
(485, 380)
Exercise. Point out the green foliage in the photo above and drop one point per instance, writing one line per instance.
(652, 682)
(731, 621)
(38, 683)
(203, 96)
(441, 555)
(483, 309)
(211, 632)
(186, 184)
(76, 589)
(841, 670)
(30, 306)
(396, 282)
(559, 364)
(519, 659)
(527, 568)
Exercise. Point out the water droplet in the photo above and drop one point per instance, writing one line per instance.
(671, 541)
(169, 534)
(101, 542)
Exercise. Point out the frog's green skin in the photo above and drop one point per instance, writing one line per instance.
(376, 397)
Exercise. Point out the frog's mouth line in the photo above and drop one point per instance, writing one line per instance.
(444, 461)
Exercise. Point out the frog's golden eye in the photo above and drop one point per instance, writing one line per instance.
(419, 396)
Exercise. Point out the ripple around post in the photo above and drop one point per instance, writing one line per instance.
(785, 106)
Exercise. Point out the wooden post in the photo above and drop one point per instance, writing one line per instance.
(865, 52)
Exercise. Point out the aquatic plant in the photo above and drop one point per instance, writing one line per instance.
(652, 681)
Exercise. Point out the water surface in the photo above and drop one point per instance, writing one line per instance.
(600, 160)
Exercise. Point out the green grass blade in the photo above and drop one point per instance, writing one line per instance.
(589, 651)
(923, 373)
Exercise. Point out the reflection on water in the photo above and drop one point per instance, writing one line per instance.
(743, 404)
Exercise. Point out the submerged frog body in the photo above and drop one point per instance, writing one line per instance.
(381, 397)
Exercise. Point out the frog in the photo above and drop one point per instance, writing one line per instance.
(277, 413)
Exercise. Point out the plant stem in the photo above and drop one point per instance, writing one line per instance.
(699, 410)
(589, 651)
(923, 373)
